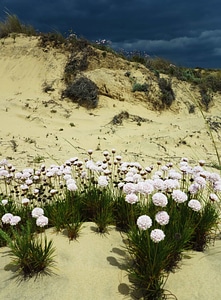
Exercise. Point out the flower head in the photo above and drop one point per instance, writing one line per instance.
(4, 202)
(179, 196)
(131, 198)
(25, 201)
(157, 235)
(213, 197)
(170, 184)
(194, 204)
(14, 220)
(200, 181)
(37, 212)
(159, 199)
(129, 188)
(42, 221)
(162, 218)
(144, 222)
(145, 187)
(6, 218)
(194, 188)
(102, 181)
(72, 186)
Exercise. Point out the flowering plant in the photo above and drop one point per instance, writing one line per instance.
(30, 253)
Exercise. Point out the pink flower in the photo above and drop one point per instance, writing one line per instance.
(158, 184)
(214, 177)
(28, 181)
(144, 222)
(25, 201)
(157, 235)
(67, 177)
(42, 221)
(4, 202)
(174, 175)
(129, 188)
(194, 204)
(14, 220)
(131, 198)
(194, 188)
(145, 187)
(37, 212)
(179, 196)
(102, 181)
(53, 191)
(159, 199)
(170, 184)
(212, 196)
(217, 186)
(201, 181)
(24, 187)
(162, 218)
(72, 187)
(6, 218)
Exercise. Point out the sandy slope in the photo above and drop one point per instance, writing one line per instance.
(37, 124)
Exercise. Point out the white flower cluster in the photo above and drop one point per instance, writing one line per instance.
(38, 213)
(179, 196)
(157, 235)
(159, 199)
(8, 218)
(144, 222)
(162, 218)
(195, 205)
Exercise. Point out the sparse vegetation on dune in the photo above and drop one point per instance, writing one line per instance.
(82, 51)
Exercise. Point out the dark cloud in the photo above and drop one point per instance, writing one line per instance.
(186, 32)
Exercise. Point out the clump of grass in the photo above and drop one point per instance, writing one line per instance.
(13, 25)
(167, 93)
(206, 98)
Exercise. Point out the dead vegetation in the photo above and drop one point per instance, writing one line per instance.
(124, 115)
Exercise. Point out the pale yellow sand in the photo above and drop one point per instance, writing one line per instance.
(35, 124)
(94, 267)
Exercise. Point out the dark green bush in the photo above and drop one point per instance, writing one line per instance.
(75, 64)
(139, 59)
(212, 81)
(54, 39)
(83, 91)
(140, 87)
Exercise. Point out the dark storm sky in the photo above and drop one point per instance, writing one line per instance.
(186, 32)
